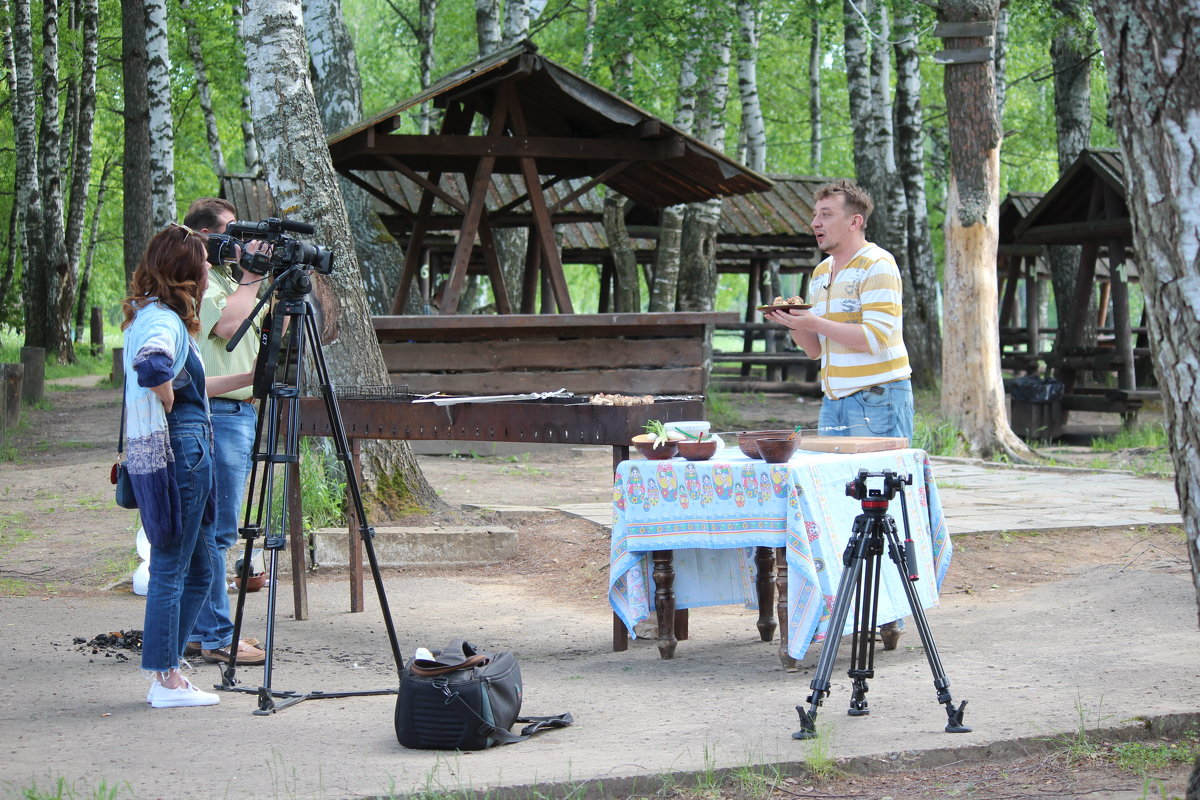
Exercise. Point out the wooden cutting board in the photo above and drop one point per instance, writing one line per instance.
(852, 444)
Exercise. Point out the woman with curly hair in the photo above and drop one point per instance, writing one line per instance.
(169, 450)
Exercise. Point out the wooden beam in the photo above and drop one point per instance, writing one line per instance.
(1079, 232)
(587, 186)
(424, 183)
(964, 30)
(378, 194)
(498, 146)
(963, 55)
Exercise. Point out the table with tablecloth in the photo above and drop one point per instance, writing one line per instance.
(709, 520)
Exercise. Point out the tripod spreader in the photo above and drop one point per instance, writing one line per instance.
(860, 584)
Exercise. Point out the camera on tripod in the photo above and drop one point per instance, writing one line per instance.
(283, 253)
(892, 483)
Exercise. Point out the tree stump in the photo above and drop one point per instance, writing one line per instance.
(33, 389)
(97, 331)
(10, 386)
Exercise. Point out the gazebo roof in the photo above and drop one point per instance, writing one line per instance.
(1086, 204)
(586, 128)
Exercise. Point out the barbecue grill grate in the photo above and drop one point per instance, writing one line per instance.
(386, 391)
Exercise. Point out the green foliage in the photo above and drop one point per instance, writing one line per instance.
(938, 436)
(322, 486)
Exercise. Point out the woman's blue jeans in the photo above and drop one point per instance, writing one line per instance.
(884, 410)
(180, 572)
(234, 423)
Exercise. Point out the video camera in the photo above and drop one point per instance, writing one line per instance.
(283, 253)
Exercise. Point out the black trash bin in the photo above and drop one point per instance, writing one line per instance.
(1036, 407)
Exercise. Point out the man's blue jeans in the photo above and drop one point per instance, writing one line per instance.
(233, 423)
(179, 571)
(884, 410)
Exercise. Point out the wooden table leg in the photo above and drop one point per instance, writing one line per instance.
(664, 601)
(764, 583)
(781, 598)
(620, 635)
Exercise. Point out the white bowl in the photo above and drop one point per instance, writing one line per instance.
(692, 427)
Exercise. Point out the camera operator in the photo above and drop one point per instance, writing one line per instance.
(228, 300)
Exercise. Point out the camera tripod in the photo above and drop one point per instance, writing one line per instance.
(261, 512)
(860, 584)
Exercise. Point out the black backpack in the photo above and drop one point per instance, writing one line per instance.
(464, 700)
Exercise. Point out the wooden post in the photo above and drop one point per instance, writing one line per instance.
(33, 388)
(10, 387)
(97, 331)
(118, 367)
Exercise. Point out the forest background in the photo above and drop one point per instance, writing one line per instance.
(805, 113)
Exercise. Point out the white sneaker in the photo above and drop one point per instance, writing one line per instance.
(185, 696)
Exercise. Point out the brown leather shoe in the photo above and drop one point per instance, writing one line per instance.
(246, 654)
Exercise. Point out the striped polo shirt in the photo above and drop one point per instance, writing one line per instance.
(867, 292)
(212, 347)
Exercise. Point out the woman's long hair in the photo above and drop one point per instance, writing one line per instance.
(172, 269)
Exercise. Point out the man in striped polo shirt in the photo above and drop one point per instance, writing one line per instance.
(227, 302)
(854, 325)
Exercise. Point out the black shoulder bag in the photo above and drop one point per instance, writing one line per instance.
(464, 700)
(120, 473)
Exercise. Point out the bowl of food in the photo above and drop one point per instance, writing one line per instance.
(698, 449)
(777, 450)
(748, 440)
(657, 443)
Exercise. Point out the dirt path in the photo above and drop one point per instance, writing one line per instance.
(61, 537)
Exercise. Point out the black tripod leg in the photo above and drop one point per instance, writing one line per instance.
(366, 533)
(851, 566)
(862, 643)
(954, 714)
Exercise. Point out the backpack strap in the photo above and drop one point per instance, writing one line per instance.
(539, 724)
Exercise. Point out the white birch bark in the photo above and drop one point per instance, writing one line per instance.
(28, 189)
(250, 155)
(516, 20)
(203, 90)
(89, 257)
(1154, 80)
(754, 131)
(972, 389)
(305, 187)
(338, 88)
(162, 132)
(426, 35)
(922, 318)
(1000, 60)
(814, 91)
(589, 37)
(487, 26)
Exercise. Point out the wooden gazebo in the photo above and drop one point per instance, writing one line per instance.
(542, 124)
(1087, 208)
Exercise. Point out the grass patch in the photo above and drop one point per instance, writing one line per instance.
(13, 530)
(937, 436)
(322, 486)
(14, 587)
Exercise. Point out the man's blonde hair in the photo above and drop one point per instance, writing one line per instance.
(856, 198)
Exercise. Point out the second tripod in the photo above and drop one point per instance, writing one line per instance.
(860, 584)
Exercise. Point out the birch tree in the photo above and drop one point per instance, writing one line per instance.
(338, 89)
(972, 388)
(249, 139)
(754, 131)
(814, 88)
(135, 167)
(487, 26)
(1154, 83)
(203, 91)
(304, 184)
(1071, 52)
(162, 127)
(922, 330)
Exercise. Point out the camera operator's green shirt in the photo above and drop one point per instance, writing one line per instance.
(212, 348)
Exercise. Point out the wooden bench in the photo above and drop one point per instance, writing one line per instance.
(652, 353)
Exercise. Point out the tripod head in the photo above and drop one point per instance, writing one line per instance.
(892, 483)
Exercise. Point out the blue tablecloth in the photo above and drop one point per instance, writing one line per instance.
(713, 514)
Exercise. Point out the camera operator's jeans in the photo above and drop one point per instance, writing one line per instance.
(233, 425)
(884, 410)
(179, 571)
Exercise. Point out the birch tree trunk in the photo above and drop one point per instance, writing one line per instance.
(922, 317)
(665, 284)
(301, 174)
(754, 131)
(487, 25)
(81, 172)
(589, 37)
(814, 89)
(51, 170)
(203, 90)
(249, 139)
(338, 87)
(972, 388)
(135, 167)
(516, 20)
(868, 78)
(698, 237)
(162, 128)
(28, 190)
(1154, 81)
(628, 296)
(1000, 59)
(85, 271)
(426, 33)
(1070, 54)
